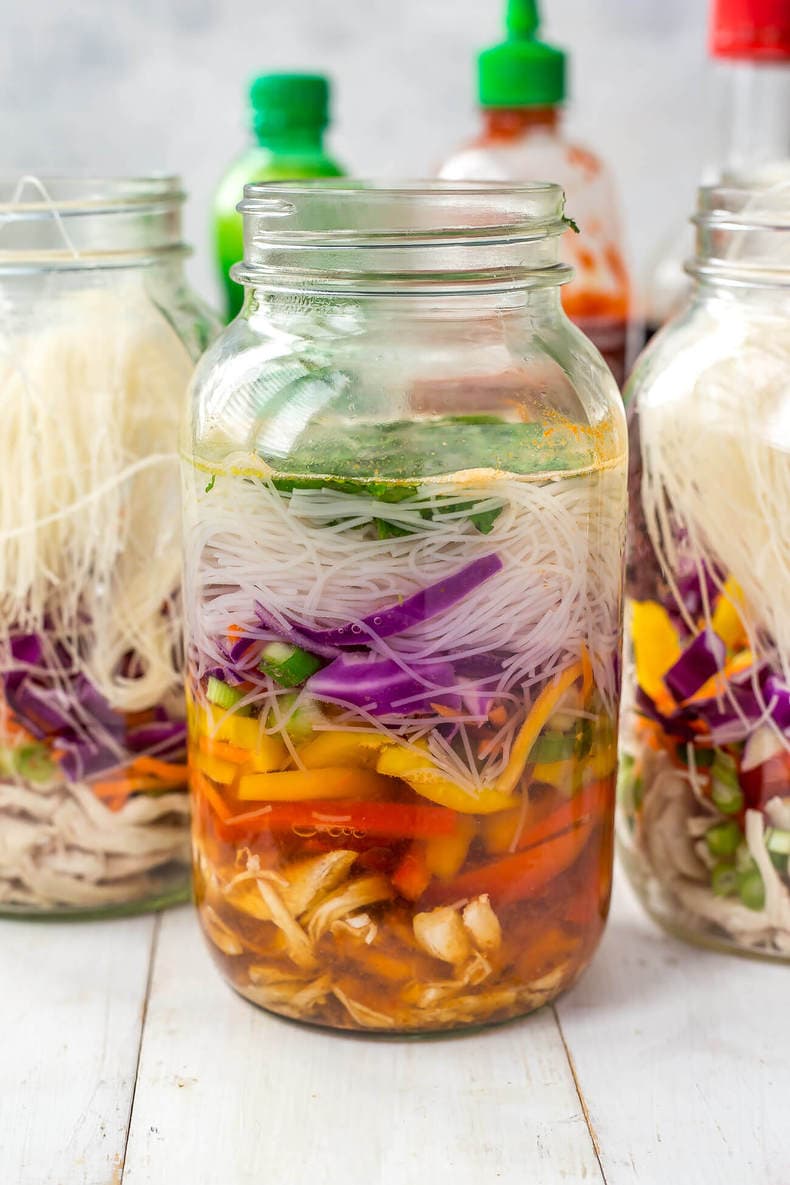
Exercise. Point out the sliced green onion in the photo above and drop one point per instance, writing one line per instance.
(551, 747)
(751, 889)
(300, 722)
(726, 793)
(223, 695)
(723, 839)
(726, 798)
(724, 880)
(287, 665)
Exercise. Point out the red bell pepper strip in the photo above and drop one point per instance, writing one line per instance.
(390, 820)
(516, 877)
(412, 876)
(581, 806)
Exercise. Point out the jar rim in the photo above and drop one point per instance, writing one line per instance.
(389, 207)
(743, 234)
(73, 194)
(360, 235)
(69, 222)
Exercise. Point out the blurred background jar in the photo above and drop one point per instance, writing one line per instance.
(704, 819)
(405, 487)
(749, 44)
(99, 333)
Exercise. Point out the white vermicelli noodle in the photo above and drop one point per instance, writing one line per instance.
(304, 558)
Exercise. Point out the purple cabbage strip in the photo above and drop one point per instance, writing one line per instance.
(381, 684)
(702, 659)
(422, 606)
(290, 633)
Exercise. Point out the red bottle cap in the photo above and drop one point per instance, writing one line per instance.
(751, 30)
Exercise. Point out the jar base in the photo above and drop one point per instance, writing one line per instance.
(403, 1033)
(667, 912)
(152, 904)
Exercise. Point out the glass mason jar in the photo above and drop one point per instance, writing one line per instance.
(98, 337)
(405, 499)
(704, 817)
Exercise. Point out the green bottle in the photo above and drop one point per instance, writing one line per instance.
(290, 113)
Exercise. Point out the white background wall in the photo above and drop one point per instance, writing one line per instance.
(129, 86)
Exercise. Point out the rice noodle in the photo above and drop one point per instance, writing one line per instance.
(89, 563)
(305, 558)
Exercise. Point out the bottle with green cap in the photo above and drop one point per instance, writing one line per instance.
(289, 117)
(522, 88)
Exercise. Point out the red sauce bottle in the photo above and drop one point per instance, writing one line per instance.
(522, 88)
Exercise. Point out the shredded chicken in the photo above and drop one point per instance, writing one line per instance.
(671, 834)
(62, 848)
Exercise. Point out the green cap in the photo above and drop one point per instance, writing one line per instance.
(282, 102)
(522, 71)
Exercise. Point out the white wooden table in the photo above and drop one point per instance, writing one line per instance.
(124, 1060)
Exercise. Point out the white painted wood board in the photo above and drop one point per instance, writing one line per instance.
(72, 997)
(683, 1058)
(227, 1094)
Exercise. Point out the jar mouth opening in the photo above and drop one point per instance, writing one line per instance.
(74, 222)
(360, 211)
(365, 235)
(743, 233)
(39, 196)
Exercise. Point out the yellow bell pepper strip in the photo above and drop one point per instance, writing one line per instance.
(515, 877)
(726, 620)
(656, 649)
(243, 731)
(387, 820)
(419, 771)
(215, 768)
(295, 785)
(358, 749)
(536, 720)
(445, 854)
(717, 684)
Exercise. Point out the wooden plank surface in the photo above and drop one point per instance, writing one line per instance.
(71, 1009)
(683, 1058)
(227, 1095)
(680, 1059)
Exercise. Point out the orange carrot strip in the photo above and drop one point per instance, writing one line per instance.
(225, 750)
(587, 674)
(200, 782)
(163, 771)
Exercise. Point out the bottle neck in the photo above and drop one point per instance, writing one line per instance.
(291, 140)
(511, 123)
(754, 120)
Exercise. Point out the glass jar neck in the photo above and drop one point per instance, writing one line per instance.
(64, 224)
(743, 236)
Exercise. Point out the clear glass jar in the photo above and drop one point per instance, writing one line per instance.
(98, 338)
(405, 499)
(704, 818)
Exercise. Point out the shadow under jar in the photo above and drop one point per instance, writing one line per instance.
(704, 817)
(98, 338)
(404, 525)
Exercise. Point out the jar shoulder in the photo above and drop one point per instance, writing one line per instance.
(339, 367)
